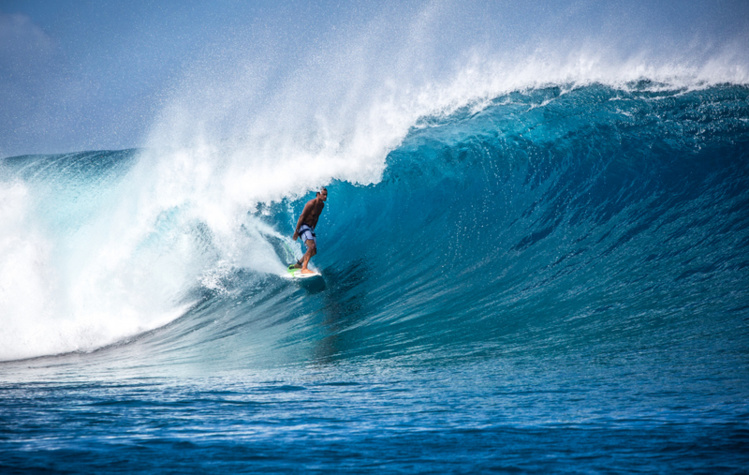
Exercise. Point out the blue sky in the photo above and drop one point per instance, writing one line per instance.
(85, 75)
(82, 75)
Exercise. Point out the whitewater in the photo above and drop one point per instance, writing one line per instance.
(533, 265)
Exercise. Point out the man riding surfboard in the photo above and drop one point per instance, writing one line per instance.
(305, 228)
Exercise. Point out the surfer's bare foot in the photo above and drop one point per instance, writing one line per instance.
(298, 265)
(307, 271)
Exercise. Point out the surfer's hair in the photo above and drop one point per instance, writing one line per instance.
(322, 189)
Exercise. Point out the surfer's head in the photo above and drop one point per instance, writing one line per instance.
(323, 194)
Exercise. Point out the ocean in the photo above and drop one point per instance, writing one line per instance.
(552, 278)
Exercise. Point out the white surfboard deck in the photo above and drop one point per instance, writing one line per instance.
(297, 274)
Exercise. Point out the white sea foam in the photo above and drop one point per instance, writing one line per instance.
(63, 290)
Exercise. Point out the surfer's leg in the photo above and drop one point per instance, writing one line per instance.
(311, 251)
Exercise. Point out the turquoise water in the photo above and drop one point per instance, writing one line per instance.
(552, 280)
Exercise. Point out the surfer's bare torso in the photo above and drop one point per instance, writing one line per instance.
(311, 212)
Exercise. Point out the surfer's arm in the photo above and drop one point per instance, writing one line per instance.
(305, 212)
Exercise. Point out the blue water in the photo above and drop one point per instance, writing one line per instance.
(553, 280)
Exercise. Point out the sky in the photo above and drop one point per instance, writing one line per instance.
(90, 75)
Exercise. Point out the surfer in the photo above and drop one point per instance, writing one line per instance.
(305, 228)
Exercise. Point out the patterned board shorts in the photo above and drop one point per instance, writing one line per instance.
(306, 233)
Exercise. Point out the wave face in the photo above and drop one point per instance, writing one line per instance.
(566, 219)
(585, 220)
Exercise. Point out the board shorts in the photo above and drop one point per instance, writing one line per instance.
(307, 234)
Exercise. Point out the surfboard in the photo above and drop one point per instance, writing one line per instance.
(294, 273)
(312, 283)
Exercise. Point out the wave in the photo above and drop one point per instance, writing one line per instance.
(588, 216)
